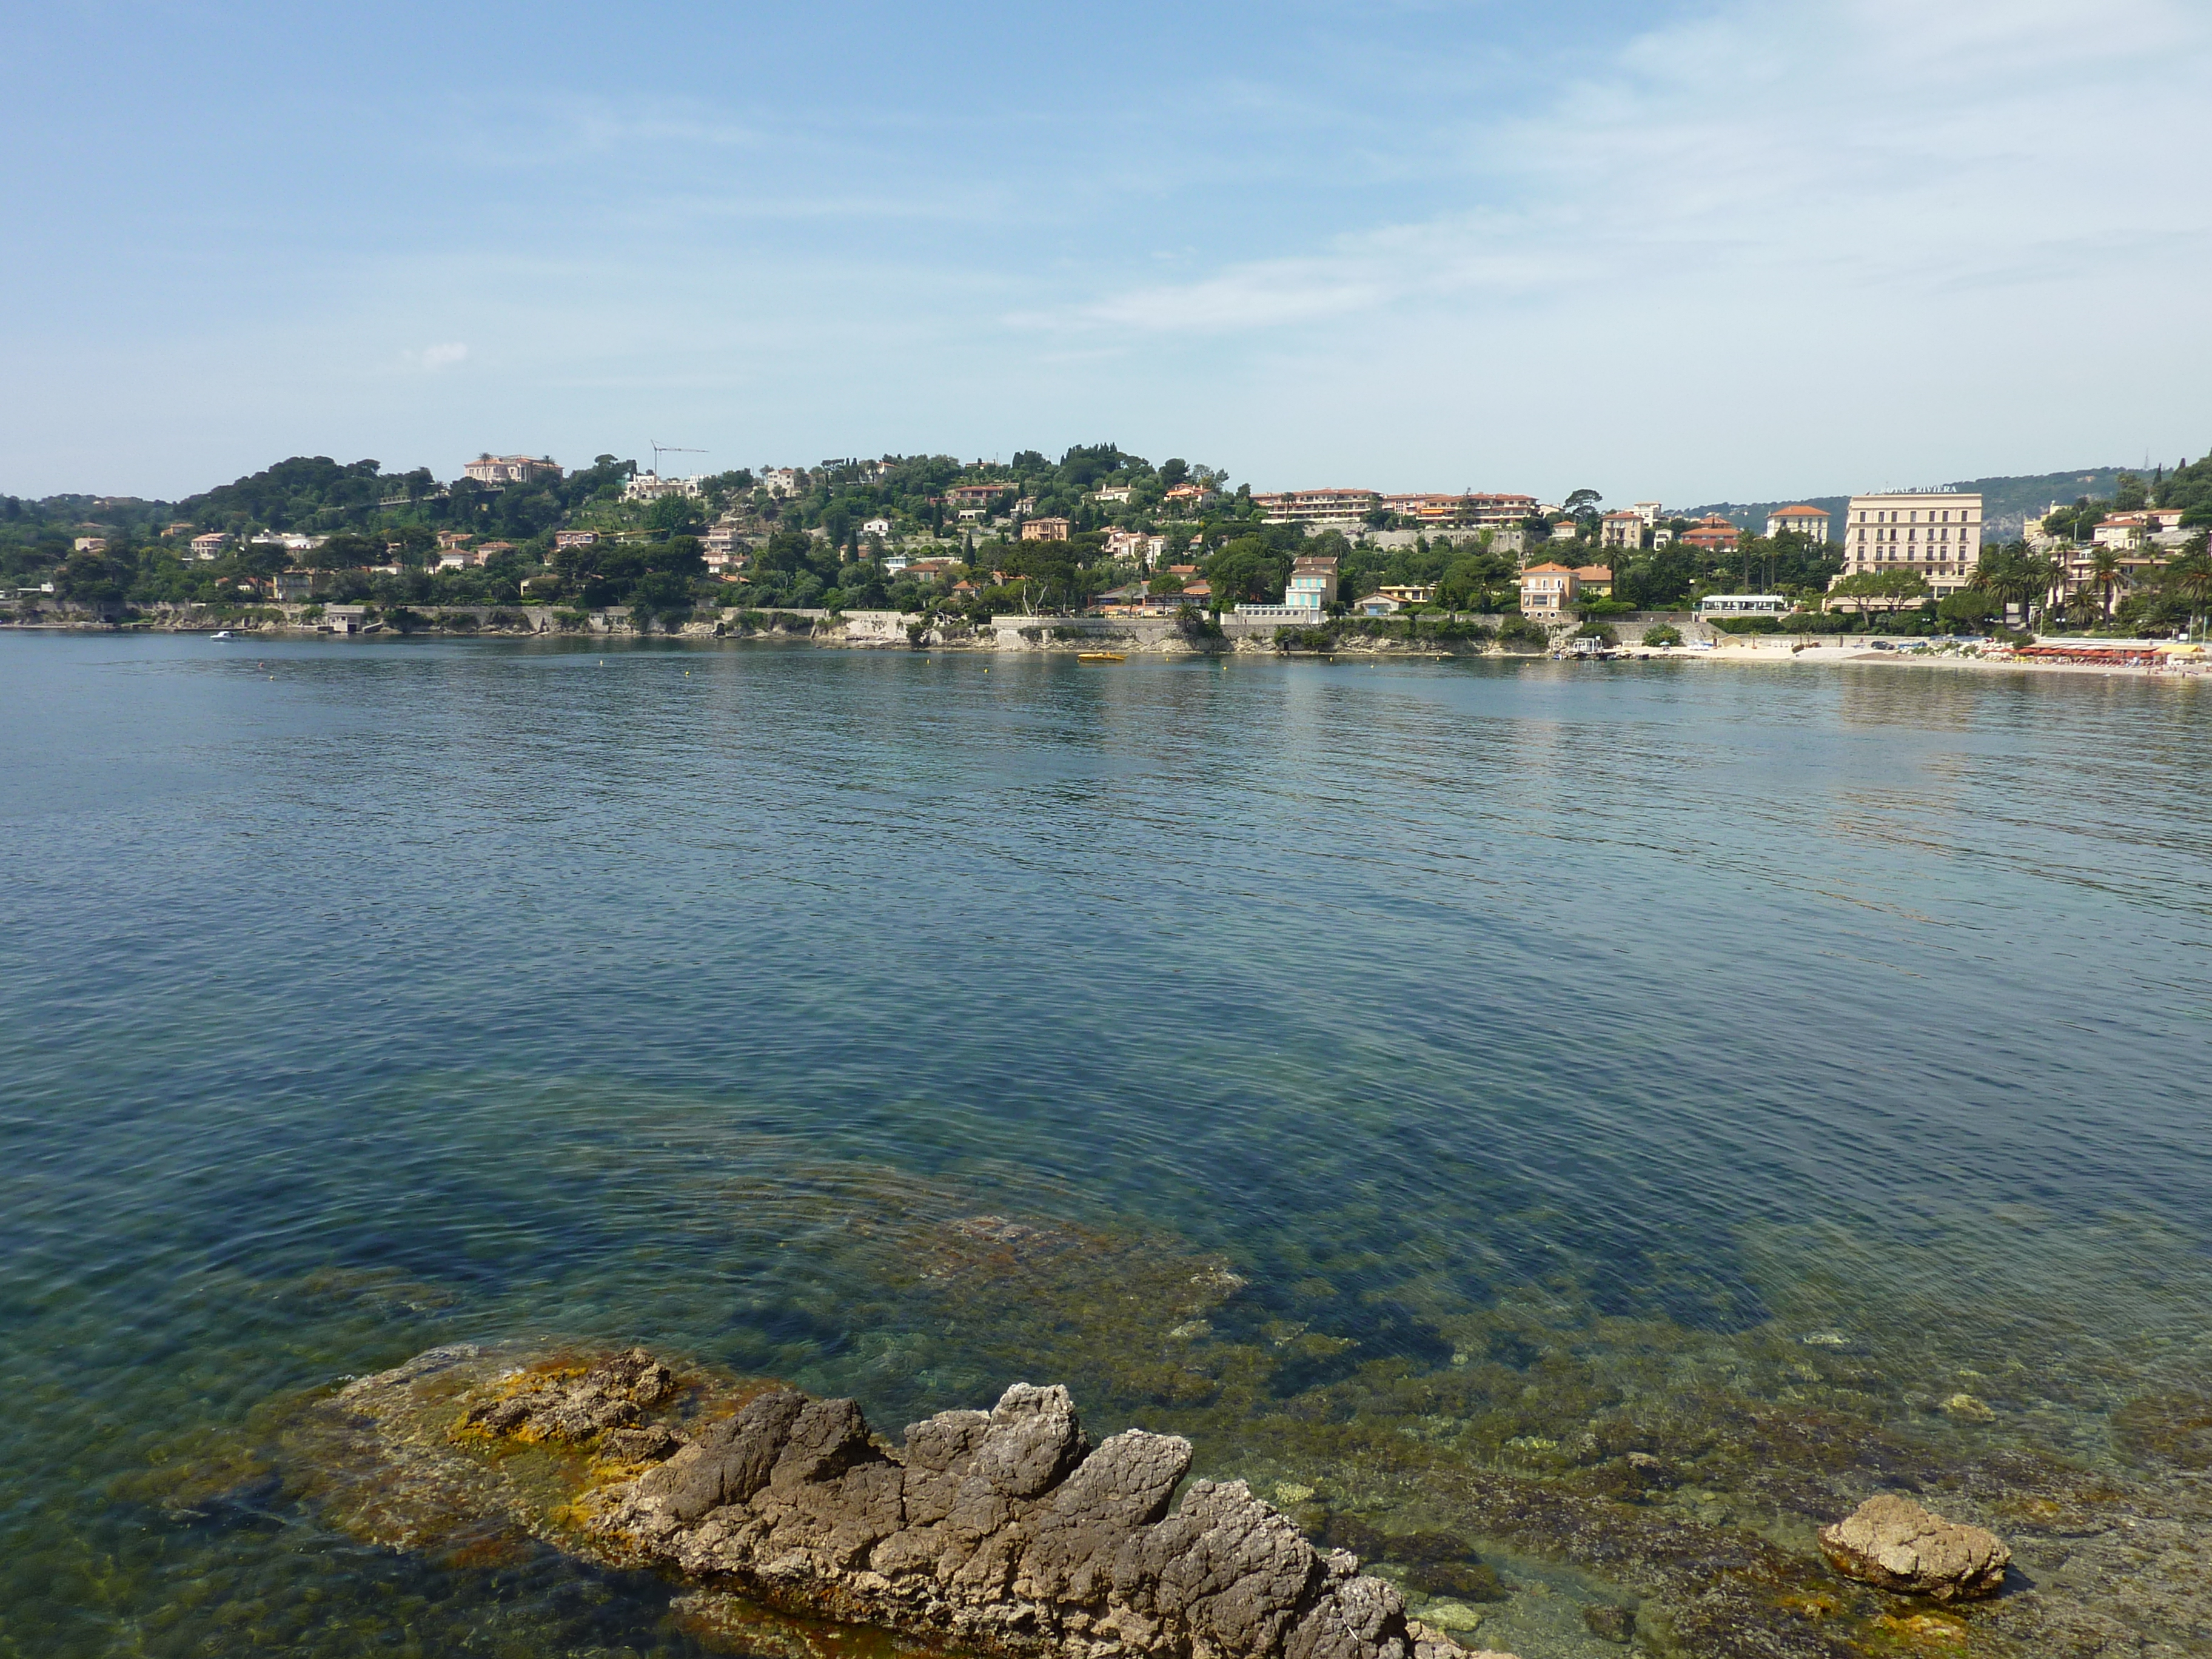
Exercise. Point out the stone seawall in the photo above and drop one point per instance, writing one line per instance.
(1163, 636)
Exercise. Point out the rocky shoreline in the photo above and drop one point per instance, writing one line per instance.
(1048, 636)
(1004, 1533)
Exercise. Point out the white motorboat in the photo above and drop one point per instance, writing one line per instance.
(221, 634)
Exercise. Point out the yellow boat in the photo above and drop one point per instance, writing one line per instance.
(1102, 656)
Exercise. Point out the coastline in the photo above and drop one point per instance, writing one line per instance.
(1046, 635)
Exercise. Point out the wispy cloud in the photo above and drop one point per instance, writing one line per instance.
(435, 357)
(1875, 144)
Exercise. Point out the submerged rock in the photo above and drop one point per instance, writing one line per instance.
(1451, 1615)
(606, 1396)
(1611, 1624)
(1437, 1563)
(1892, 1542)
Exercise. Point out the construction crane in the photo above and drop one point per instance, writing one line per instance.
(660, 449)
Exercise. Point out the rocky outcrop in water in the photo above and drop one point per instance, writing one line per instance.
(607, 1399)
(1893, 1542)
(1004, 1532)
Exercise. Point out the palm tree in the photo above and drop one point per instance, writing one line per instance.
(2189, 576)
(2104, 566)
(1998, 573)
(2051, 579)
(2014, 576)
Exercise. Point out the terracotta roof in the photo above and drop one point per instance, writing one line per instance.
(1565, 569)
(1800, 512)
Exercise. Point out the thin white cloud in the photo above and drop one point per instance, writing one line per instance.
(435, 357)
(1887, 146)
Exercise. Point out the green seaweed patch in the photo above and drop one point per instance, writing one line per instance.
(1916, 1634)
(2174, 1429)
(1436, 1563)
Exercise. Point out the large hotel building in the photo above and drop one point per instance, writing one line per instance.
(1935, 535)
(1347, 509)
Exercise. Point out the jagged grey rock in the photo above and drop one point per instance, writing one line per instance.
(1002, 1532)
(1893, 1542)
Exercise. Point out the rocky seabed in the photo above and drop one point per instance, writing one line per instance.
(1005, 1533)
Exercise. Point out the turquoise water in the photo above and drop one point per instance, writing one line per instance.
(1547, 1047)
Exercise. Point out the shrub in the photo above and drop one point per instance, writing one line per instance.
(569, 621)
(1375, 627)
(1451, 628)
(1747, 625)
(1519, 630)
(1303, 639)
(1665, 633)
(1195, 624)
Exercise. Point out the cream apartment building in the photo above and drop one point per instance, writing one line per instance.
(1936, 535)
(1805, 521)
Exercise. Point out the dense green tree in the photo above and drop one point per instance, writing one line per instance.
(94, 577)
(1047, 572)
(344, 550)
(1247, 569)
(671, 515)
(1894, 584)
(1966, 610)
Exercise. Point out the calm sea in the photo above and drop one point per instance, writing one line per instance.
(1546, 1047)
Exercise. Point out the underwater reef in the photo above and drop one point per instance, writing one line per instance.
(1549, 1478)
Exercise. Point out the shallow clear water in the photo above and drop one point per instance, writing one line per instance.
(1551, 1047)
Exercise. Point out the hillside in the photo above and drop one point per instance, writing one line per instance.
(2007, 502)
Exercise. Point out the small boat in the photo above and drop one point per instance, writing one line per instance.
(221, 634)
(1102, 656)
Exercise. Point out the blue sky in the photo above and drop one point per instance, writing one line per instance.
(1735, 250)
